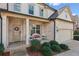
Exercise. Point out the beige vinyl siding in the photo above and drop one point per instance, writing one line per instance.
(50, 30)
(47, 29)
(65, 15)
(3, 5)
(25, 9)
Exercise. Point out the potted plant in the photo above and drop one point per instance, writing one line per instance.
(6, 53)
(34, 49)
(1, 49)
(2, 52)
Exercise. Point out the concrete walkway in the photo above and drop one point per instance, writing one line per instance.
(74, 49)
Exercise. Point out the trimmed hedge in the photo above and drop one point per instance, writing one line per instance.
(46, 44)
(76, 37)
(53, 43)
(56, 48)
(46, 51)
(64, 46)
(76, 32)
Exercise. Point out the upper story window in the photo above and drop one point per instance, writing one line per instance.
(17, 7)
(41, 12)
(31, 9)
(66, 15)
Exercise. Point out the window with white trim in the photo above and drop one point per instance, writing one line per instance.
(31, 9)
(35, 29)
(17, 7)
(41, 12)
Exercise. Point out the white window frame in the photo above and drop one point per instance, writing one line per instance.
(41, 13)
(31, 6)
(17, 7)
(34, 25)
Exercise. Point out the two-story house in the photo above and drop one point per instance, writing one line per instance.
(19, 21)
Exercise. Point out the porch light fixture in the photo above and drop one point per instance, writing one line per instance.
(57, 29)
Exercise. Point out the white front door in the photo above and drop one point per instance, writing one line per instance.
(15, 30)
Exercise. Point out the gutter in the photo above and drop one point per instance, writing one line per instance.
(64, 20)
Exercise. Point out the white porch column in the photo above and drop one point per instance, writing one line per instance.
(4, 31)
(27, 32)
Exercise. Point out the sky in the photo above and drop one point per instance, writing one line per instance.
(73, 6)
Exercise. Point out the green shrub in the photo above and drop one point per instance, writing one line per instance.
(53, 43)
(56, 48)
(35, 45)
(1, 48)
(76, 38)
(76, 33)
(64, 46)
(46, 44)
(46, 51)
(35, 42)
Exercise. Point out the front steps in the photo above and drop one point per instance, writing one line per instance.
(17, 50)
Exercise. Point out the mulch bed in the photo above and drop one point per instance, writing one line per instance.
(33, 53)
(7, 53)
(38, 53)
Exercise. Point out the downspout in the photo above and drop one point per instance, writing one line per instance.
(53, 17)
(7, 7)
(54, 29)
(1, 26)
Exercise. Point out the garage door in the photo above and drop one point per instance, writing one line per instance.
(63, 35)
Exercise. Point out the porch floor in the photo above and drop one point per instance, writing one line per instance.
(15, 44)
(17, 48)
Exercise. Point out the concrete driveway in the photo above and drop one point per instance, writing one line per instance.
(74, 49)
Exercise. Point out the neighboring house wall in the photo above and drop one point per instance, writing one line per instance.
(64, 30)
(76, 22)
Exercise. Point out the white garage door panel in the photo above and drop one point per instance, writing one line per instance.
(63, 35)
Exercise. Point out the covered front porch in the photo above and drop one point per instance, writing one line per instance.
(18, 29)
